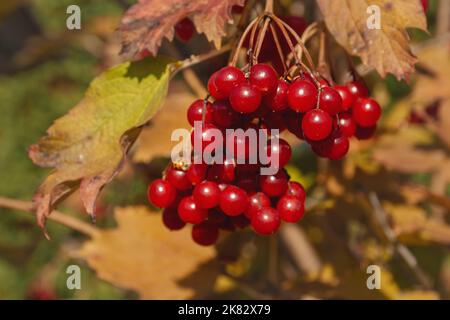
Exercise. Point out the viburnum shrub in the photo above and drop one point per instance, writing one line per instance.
(235, 194)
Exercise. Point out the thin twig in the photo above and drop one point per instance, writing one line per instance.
(61, 218)
(402, 250)
(196, 59)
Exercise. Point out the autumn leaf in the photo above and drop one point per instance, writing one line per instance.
(148, 22)
(86, 147)
(171, 117)
(386, 49)
(141, 255)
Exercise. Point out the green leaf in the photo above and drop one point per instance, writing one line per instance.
(87, 146)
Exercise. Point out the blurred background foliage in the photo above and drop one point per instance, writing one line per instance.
(44, 71)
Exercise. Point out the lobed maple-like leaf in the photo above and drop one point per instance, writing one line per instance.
(139, 254)
(86, 147)
(148, 22)
(386, 49)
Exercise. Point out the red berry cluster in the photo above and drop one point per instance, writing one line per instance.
(233, 195)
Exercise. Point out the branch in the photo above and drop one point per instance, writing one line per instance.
(401, 249)
(61, 218)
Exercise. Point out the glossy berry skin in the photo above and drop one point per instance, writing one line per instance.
(245, 98)
(161, 193)
(330, 101)
(302, 96)
(337, 145)
(263, 77)
(290, 208)
(256, 202)
(189, 212)
(357, 89)
(178, 179)
(233, 201)
(346, 96)
(213, 89)
(317, 125)
(172, 220)
(266, 221)
(185, 29)
(206, 194)
(204, 137)
(228, 78)
(227, 171)
(205, 233)
(277, 99)
(366, 112)
(281, 150)
(346, 124)
(223, 115)
(274, 185)
(196, 173)
(195, 112)
(295, 189)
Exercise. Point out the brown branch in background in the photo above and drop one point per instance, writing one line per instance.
(300, 249)
(272, 273)
(403, 251)
(56, 216)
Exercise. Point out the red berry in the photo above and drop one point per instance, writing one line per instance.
(245, 98)
(161, 193)
(263, 77)
(357, 89)
(290, 208)
(266, 221)
(204, 136)
(189, 212)
(205, 233)
(295, 189)
(299, 24)
(178, 179)
(185, 29)
(213, 89)
(256, 202)
(424, 5)
(366, 112)
(335, 146)
(228, 78)
(196, 173)
(346, 124)
(346, 96)
(274, 185)
(277, 99)
(317, 124)
(223, 115)
(227, 171)
(364, 133)
(172, 220)
(302, 96)
(282, 151)
(330, 101)
(237, 9)
(206, 195)
(195, 112)
(248, 184)
(233, 201)
(293, 121)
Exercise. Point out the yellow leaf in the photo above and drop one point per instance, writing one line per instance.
(86, 147)
(141, 254)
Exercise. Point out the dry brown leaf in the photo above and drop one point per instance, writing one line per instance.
(386, 49)
(141, 255)
(154, 140)
(148, 22)
(412, 225)
(407, 159)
